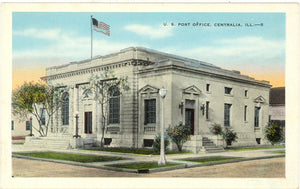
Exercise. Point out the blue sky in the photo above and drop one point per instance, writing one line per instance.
(43, 39)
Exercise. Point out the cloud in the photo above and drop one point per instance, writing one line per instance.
(251, 55)
(149, 31)
(242, 50)
(63, 47)
(39, 33)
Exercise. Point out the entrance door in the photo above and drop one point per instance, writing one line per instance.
(88, 122)
(189, 119)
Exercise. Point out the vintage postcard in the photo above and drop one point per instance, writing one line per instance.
(122, 95)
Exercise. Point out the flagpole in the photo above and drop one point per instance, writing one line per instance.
(91, 37)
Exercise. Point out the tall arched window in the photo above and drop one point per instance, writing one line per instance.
(65, 109)
(114, 106)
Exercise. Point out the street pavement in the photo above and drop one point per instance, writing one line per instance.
(264, 163)
(264, 168)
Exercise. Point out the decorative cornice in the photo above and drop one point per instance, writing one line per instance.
(189, 70)
(260, 99)
(148, 89)
(192, 90)
(133, 62)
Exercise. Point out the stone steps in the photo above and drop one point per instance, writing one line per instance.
(209, 147)
(48, 142)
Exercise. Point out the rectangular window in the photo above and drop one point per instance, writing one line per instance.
(12, 125)
(258, 140)
(148, 142)
(43, 116)
(207, 87)
(245, 113)
(227, 115)
(114, 110)
(107, 141)
(246, 93)
(65, 109)
(228, 90)
(256, 116)
(207, 109)
(150, 111)
(27, 125)
(88, 122)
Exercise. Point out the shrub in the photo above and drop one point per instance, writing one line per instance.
(229, 136)
(216, 129)
(156, 143)
(179, 134)
(273, 133)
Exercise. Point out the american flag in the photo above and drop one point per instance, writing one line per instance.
(101, 27)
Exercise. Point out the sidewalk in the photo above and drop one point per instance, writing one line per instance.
(175, 158)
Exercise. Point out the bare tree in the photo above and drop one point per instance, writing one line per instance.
(104, 87)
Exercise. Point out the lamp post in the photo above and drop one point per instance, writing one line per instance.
(76, 134)
(162, 160)
(30, 126)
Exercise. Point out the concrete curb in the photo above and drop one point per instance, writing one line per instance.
(182, 166)
(194, 164)
(67, 162)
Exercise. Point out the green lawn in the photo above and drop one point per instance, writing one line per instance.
(18, 143)
(254, 148)
(281, 153)
(211, 159)
(142, 151)
(143, 165)
(71, 157)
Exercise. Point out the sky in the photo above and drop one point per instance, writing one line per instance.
(45, 39)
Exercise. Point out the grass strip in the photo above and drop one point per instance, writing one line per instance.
(254, 148)
(18, 143)
(143, 165)
(281, 153)
(71, 157)
(141, 151)
(211, 159)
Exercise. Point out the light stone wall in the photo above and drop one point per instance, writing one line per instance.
(156, 70)
(179, 80)
(19, 127)
(277, 112)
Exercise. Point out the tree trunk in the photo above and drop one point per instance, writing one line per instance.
(102, 137)
(179, 146)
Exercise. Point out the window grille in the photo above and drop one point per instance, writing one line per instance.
(27, 125)
(227, 114)
(114, 106)
(256, 117)
(150, 111)
(65, 109)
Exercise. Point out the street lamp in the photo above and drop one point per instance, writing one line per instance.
(76, 134)
(30, 126)
(162, 160)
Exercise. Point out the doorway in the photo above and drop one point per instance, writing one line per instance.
(88, 122)
(189, 119)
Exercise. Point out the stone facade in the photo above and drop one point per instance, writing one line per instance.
(277, 107)
(197, 92)
(277, 104)
(20, 128)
